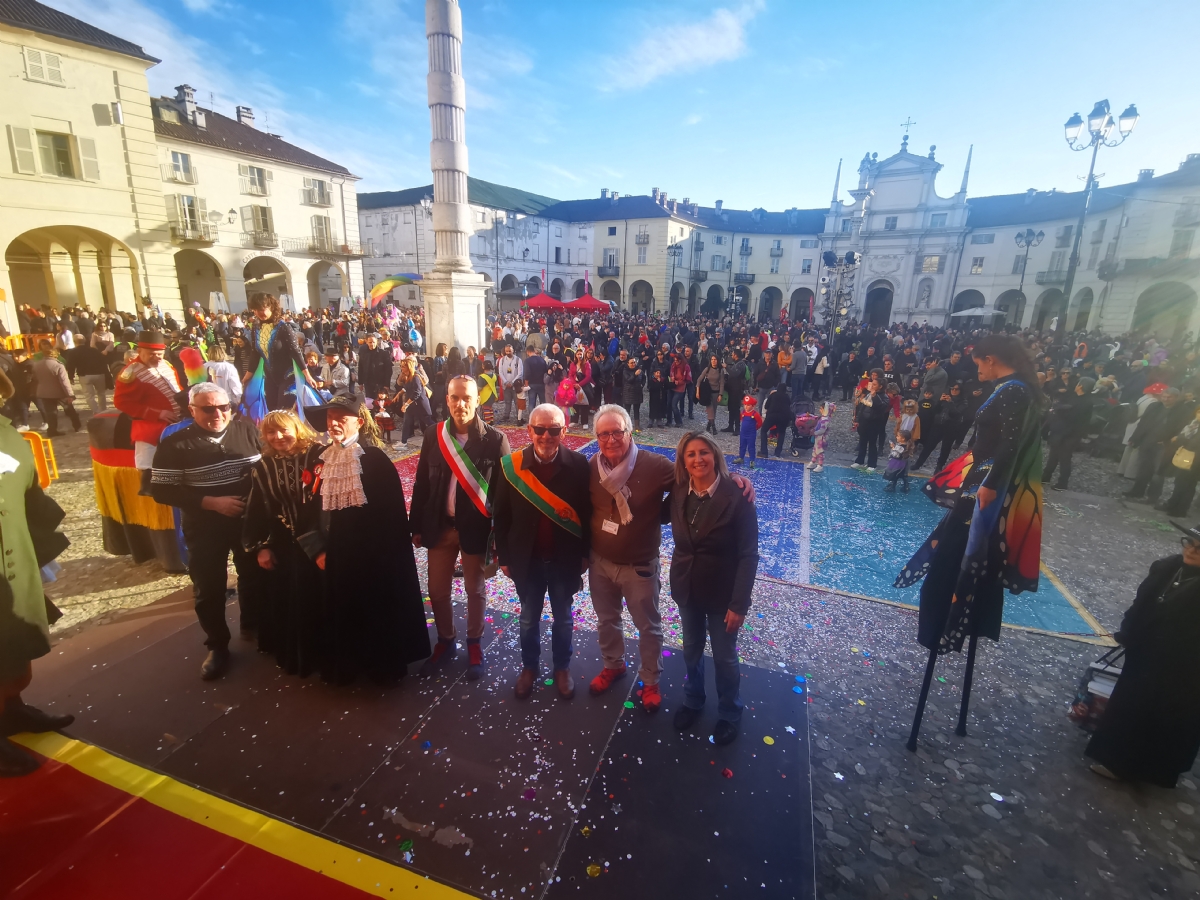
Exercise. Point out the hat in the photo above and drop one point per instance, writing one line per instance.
(331, 350)
(318, 416)
(1088, 384)
(152, 340)
(1193, 532)
(1157, 388)
(749, 401)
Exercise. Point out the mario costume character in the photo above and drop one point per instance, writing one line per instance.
(748, 429)
(147, 391)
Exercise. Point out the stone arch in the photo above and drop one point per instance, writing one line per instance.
(769, 303)
(970, 299)
(641, 296)
(693, 298)
(1164, 309)
(327, 284)
(535, 285)
(1083, 308)
(580, 288)
(63, 265)
(676, 297)
(714, 301)
(877, 309)
(508, 283)
(610, 292)
(268, 275)
(1012, 304)
(199, 276)
(1050, 304)
(801, 305)
(742, 293)
(556, 288)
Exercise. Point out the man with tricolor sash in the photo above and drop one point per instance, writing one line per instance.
(451, 515)
(543, 512)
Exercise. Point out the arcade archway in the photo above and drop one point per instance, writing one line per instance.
(769, 304)
(1083, 309)
(641, 297)
(676, 297)
(610, 292)
(1164, 309)
(693, 298)
(556, 288)
(800, 307)
(714, 301)
(64, 265)
(268, 275)
(1048, 307)
(199, 277)
(1012, 304)
(877, 310)
(327, 284)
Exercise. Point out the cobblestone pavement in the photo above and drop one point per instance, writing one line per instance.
(1010, 811)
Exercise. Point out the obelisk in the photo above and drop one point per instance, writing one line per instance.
(453, 292)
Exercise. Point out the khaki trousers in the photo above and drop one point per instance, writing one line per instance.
(441, 579)
(639, 585)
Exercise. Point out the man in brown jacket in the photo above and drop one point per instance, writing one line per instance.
(627, 488)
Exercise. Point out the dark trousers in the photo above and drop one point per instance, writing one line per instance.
(210, 539)
(416, 418)
(1149, 456)
(868, 443)
(50, 410)
(782, 426)
(797, 385)
(676, 411)
(734, 405)
(547, 577)
(697, 626)
(1181, 497)
(691, 398)
(1060, 458)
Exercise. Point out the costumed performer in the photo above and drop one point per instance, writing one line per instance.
(148, 390)
(276, 358)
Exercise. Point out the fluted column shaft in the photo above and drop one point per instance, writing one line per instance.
(448, 148)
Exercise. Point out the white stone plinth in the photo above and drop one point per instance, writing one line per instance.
(455, 313)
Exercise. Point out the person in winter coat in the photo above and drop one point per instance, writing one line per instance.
(766, 376)
(737, 384)
(632, 381)
(1066, 425)
(1187, 475)
(681, 385)
(871, 411)
(1150, 436)
(709, 387)
(848, 374)
(777, 413)
(658, 379)
(54, 388)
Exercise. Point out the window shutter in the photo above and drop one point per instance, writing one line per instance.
(941, 264)
(308, 183)
(270, 174)
(34, 65)
(24, 160)
(53, 68)
(87, 155)
(201, 213)
(269, 219)
(243, 170)
(173, 215)
(920, 264)
(247, 217)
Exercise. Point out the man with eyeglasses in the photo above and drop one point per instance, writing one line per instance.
(627, 487)
(204, 470)
(542, 517)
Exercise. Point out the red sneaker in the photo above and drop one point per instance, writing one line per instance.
(605, 679)
(651, 698)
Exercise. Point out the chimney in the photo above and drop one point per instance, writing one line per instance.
(245, 116)
(185, 96)
(674, 207)
(654, 194)
(1192, 159)
(615, 198)
(720, 203)
(687, 202)
(1029, 195)
(1145, 175)
(603, 193)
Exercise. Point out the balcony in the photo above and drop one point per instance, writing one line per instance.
(641, 238)
(254, 188)
(325, 246)
(1151, 267)
(199, 234)
(743, 278)
(745, 250)
(698, 275)
(1056, 276)
(777, 251)
(261, 239)
(179, 176)
(315, 197)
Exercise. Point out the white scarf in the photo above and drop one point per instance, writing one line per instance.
(614, 481)
(341, 476)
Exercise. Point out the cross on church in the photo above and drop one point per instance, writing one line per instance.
(906, 124)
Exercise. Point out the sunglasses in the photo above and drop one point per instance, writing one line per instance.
(1189, 542)
(552, 430)
(216, 407)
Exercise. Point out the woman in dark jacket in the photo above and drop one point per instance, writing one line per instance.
(709, 386)
(871, 411)
(658, 379)
(1066, 425)
(631, 381)
(1150, 730)
(712, 575)
(737, 380)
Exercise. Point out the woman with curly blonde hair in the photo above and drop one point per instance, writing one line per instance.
(282, 526)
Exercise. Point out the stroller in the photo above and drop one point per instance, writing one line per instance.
(1095, 688)
(805, 412)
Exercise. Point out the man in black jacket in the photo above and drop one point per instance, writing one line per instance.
(777, 413)
(375, 367)
(451, 515)
(1150, 436)
(543, 511)
(204, 470)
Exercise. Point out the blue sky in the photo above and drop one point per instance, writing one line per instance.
(749, 101)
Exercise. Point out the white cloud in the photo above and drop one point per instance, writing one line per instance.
(198, 6)
(693, 119)
(682, 48)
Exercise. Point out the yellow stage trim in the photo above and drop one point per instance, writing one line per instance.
(343, 864)
(117, 498)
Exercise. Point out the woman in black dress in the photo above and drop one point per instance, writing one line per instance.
(374, 614)
(1150, 730)
(282, 527)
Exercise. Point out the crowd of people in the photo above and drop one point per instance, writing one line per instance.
(313, 513)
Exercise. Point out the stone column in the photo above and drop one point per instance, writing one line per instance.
(453, 292)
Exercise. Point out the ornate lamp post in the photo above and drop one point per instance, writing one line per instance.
(675, 251)
(1026, 239)
(1100, 125)
(838, 294)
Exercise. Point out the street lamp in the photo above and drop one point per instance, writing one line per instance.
(1100, 125)
(1027, 239)
(838, 294)
(675, 251)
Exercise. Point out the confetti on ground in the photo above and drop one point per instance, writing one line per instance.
(768, 740)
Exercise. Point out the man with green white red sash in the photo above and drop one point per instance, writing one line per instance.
(543, 512)
(451, 515)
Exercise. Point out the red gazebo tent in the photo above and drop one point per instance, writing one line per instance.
(544, 301)
(587, 303)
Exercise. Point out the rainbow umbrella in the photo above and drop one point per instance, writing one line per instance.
(382, 287)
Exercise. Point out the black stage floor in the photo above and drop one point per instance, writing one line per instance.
(458, 780)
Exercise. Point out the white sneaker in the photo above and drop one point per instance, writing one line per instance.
(858, 466)
(809, 466)
(22, 428)
(817, 469)
(870, 470)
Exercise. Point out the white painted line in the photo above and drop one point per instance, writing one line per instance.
(806, 528)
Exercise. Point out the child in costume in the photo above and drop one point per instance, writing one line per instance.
(383, 416)
(897, 464)
(821, 436)
(487, 392)
(748, 430)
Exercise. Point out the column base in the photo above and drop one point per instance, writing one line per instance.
(455, 313)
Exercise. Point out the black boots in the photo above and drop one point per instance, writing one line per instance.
(17, 717)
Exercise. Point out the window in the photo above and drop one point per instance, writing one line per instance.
(612, 230)
(557, 231)
(718, 263)
(718, 239)
(316, 192)
(568, 256)
(482, 217)
(322, 233)
(258, 220)
(983, 238)
(1019, 264)
(641, 255)
(745, 244)
(937, 220)
(254, 180)
(1094, 256)
(87, 157)
(537, 251)
(932, 263)
(774, 265)
(43, 66)
(612, 257)
(558, 253)
(190, 211)
(1181, 243)
(181, 165)
(847, 225)
(408, 218)
(889, 223)
(583, 234)
(508, 249)
(777, 245)
(806, 267)
(809, 243)
(581, 259)
(1058, 260)
(55, 153)
(976, 265)
(743, 265)
(1098, 231)
(1063, 237)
